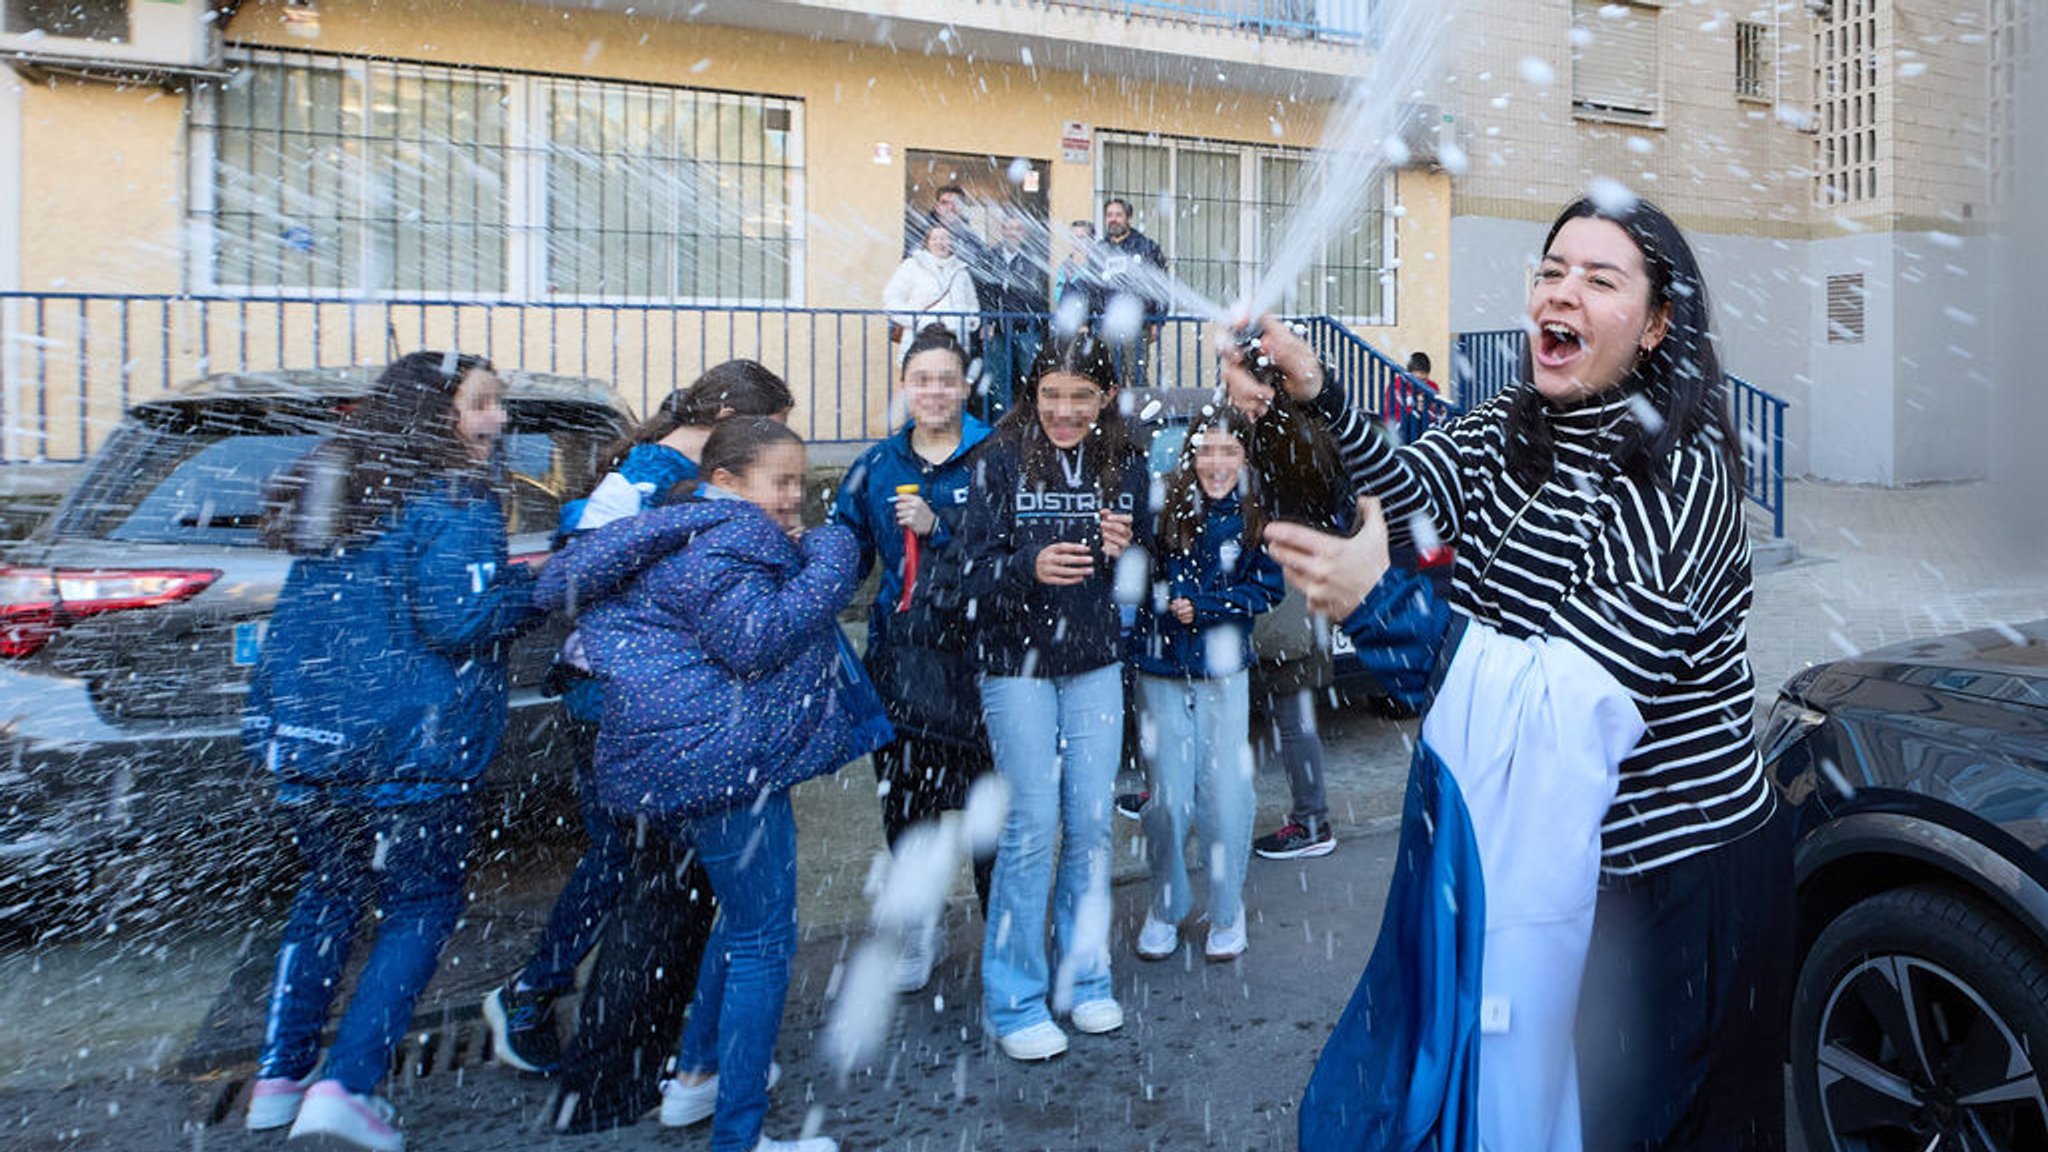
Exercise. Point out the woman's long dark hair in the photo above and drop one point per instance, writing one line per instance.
(1681, 378)
(1181, 515)
(1302, 478)
(394, 444)
(1083, 355)
(735, 388)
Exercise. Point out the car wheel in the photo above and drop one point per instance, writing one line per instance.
(1921, 1021)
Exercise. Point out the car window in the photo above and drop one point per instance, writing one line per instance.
(213, 494)
(201, 482)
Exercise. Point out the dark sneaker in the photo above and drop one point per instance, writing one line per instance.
(1294, 841)
(523, 1030)
(1131, 805)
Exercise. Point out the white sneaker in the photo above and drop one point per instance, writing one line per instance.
(1097, 1016)
(364, 1121)
(923, 949)
(807, 1144)
(274, 1101)
(1040, 1041)
(1157, 939)
(1225, 942)
(685, 1104)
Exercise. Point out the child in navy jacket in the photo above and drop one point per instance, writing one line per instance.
(1191, 649)
(639, 473)
(1057, 522)
(379, 699)
(714, 631)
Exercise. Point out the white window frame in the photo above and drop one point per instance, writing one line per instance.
(1251, 257)
(1601, 69)
(526, 220)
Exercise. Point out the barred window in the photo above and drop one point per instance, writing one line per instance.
(1219, 209)
(1614, 60)
(334, 174)
(1752, 60)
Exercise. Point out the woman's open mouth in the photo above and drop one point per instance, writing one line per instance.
(1557, 344)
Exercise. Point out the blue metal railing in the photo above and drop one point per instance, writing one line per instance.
(72, 363)
(1485, 364)
(1760, 423)
(1372, 382)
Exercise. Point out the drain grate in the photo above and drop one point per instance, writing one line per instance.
(455, 1043)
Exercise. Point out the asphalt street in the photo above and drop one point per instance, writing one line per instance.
(118, 1041)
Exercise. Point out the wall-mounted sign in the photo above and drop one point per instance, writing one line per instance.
(1076, 144)
(884, 154)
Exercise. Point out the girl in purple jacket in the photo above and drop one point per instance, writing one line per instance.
(712, 623)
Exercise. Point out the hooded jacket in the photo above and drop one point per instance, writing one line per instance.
(724, 673)
(382, 679)
(1229, 579)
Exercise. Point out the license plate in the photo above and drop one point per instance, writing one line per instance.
(248, 643)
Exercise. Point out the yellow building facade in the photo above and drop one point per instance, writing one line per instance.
(252, 213)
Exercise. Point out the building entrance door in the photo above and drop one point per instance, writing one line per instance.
(990, 192)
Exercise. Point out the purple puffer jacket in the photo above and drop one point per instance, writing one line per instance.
(716, 636)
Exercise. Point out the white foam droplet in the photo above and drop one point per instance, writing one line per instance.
(1538, 71)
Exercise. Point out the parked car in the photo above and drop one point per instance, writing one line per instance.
(1920, 775)
(130, 619)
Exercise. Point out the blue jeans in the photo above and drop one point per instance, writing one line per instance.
(750, 854)
(588, 896)
(411, 857)
(1062, 778)
(1006, 356)
(1199, 765)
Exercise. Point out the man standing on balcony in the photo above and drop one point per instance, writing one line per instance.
(1013, 312)
(1134, 277)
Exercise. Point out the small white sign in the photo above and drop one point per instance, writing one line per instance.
(884, 154)
(1076, 143)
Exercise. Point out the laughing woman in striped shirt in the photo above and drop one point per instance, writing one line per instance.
(1596, 519)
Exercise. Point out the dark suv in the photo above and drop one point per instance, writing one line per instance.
(1920, 772)
(130, 618)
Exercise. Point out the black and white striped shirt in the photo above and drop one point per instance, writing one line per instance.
(1651, 581)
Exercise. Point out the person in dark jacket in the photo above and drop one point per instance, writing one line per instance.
(638, 473)
(1014, 305)
(1139, 294)
(1191, 649)
(726, 683)
(1057, 522)
(915, 485)
(379, 698)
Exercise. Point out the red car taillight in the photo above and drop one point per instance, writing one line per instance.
(35, 603)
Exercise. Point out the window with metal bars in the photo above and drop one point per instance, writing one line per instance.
(323, 173)
(1752, 60)
(1219, 210)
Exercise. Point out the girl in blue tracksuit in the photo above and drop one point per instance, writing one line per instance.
(916, 483)
(712, 624)
(379, 699)
(640, 473)
(1057, 522)
(1191, 650)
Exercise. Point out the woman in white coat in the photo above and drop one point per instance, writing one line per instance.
(932, 286)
